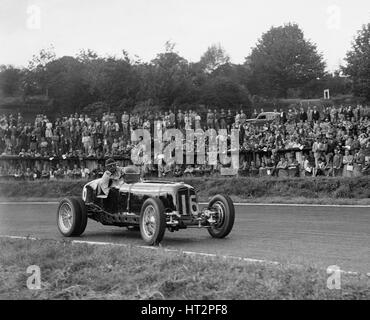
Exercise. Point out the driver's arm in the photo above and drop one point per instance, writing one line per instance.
(104, 182)
(118, 174)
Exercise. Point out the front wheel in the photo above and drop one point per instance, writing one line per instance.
(152, 221)
(71, 217)
(225, 216)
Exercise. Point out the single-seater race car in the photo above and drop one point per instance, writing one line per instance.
(148, 206)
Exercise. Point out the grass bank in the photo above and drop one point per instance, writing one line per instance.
(82, 271)
(270, 190)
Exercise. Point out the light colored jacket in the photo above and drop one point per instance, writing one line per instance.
(108, 177)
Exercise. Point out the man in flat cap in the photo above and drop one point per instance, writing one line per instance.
(112, 173)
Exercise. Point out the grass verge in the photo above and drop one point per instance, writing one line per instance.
(79, 271)
(271, 190)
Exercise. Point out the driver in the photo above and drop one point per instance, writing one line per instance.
(113, 173)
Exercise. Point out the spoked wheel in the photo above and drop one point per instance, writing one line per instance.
(71, 217)
(152, 221)
(225, 216)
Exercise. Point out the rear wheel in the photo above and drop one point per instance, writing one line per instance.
(225, 217)
(71, 217)
(152, 221)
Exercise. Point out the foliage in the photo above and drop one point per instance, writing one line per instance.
(283, 64)
(223, 92)
(95, 109)
(10, 80)
(325, 190)
(36, 79)
(283, 59)
(214, 57)
(358, 63)
(170, 79)
(82, 271)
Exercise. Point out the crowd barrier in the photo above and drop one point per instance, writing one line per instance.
(9, 163)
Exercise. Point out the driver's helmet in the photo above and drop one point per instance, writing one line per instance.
(110, 163)
(131, 174)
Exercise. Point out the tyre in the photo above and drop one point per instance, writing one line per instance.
(152, 221)
(84, 215)
(71, 217)
(225, 217)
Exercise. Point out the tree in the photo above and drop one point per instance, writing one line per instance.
(117, 82)
(223, 92)
(358, 63)
(111, 80)
(167, 79)
(66, 87)
(10, 79)
(214, 57)
(283, 59)
(36, 80)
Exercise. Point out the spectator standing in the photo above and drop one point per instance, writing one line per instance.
(337, 163)
(180, 119)
(216, 120)
(283, 116)
(303, 115)
(187, 120)
(197, 121)
(243, 117)
(172, 119)
(230, 119)
(348, 164)
(309, 114)
(125, 123)
(359, 162)
(210, 119)
(222, 119)
(255, 113)
(315, 114)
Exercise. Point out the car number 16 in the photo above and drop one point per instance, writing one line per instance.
(193, 204)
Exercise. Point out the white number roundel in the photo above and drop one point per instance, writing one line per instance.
(84, 194)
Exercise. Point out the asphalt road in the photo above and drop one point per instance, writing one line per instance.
(318, 236)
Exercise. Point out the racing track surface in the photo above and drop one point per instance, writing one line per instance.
(319, 236)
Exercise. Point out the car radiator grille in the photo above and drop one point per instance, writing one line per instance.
(185, 204)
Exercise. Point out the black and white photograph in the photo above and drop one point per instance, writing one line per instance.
(184, 156)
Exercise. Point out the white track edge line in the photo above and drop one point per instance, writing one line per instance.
(190, 253)
(240, 204)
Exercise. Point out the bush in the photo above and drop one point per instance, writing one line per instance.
(343, 191)
(241, 187)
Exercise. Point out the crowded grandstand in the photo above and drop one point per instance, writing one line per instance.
(326, 141)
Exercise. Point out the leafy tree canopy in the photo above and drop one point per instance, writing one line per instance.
(283, 59)
(358, 63)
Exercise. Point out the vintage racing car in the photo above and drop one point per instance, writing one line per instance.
(148, 206)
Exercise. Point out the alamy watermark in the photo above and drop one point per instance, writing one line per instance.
(34, 280)
(334, 280)
(33, 21)
(334, 20)
(201, 147)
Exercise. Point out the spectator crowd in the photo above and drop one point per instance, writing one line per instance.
(329, 141)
